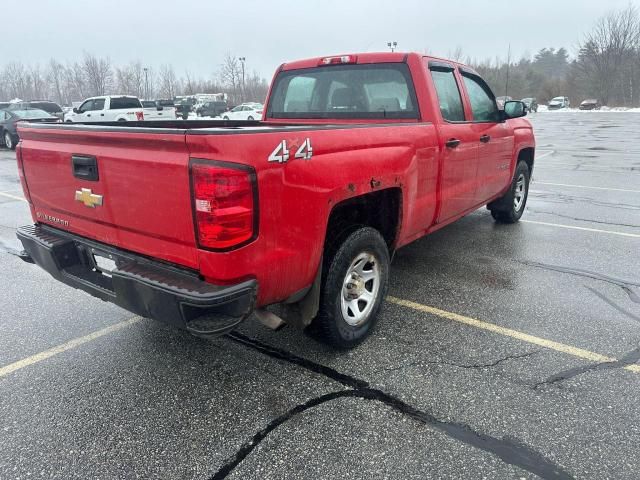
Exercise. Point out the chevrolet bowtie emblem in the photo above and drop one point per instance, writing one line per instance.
(90, 199)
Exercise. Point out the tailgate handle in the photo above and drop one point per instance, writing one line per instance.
(85, 167)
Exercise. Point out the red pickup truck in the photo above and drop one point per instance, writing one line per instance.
(294, 217)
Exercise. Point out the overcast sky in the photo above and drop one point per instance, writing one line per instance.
(194, 35)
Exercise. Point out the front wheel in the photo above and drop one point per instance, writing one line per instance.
(250, 118)
(354, 283)
(510, 207)
(9, 141)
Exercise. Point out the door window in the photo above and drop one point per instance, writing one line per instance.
(483, 103)
(86, 106)
(448, 95)
(98, 104)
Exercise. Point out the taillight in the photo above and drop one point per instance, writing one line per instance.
(23, 179)
(224, 204)
(140, 116)
(338, 60)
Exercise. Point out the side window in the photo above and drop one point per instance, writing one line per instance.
(448, 95)
(483, 103)
(86, 106)
(98, 104)
(299, 94)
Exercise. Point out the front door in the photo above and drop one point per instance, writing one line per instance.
(458, 146)
(494, 136)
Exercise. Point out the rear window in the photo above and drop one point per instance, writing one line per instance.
(148, 103)
(124, 102)
(165, 103)
(46, 106)
(382, 90)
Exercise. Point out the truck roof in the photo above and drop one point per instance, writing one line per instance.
(364, 58)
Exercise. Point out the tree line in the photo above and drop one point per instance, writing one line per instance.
(606, 66)
(93, 76)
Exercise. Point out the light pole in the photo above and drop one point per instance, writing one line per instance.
(242, 60)
(146, 83)
(392, 45)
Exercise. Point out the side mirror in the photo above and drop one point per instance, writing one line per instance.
(159, 108)
(514, 109)
(75, 110)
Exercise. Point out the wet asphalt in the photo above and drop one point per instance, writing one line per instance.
(424, 397)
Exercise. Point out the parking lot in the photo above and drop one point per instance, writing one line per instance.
(503, 351)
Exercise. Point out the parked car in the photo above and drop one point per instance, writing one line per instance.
(50, 107)
(212, 109)
(501, 100)
(183, 107)
(251, 111)
(110, 108)
(8, 122)
(156, 110)
(200, 226)
(4, 105)
(557, 103)
(590, 104)
(531, 104)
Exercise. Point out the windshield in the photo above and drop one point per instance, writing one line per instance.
(349, 91)
(31, 113)
(148, 103)
(558, 99)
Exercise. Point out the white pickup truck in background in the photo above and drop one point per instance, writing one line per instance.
(113, 108)
(158, 109)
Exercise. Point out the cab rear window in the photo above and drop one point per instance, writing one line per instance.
(382, 90)
(124, 102)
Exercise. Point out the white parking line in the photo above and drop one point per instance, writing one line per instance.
(573, 227)
(76, 342)
(587, 186)
(14, 197)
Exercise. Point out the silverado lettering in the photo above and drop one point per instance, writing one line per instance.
(210, 221)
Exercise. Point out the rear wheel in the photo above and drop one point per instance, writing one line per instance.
(250, 118)
(354, 283)
(225, 118)
(9, 141)
(510, 207)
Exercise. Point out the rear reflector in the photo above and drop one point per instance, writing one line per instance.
(140, 116)
(224, 205)
(338, 60)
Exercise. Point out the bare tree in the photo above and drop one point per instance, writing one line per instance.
(231, 76)
(168, 82)
(55, 78)
(98, 74)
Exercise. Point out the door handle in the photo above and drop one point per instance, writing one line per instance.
(452, 143)
(485, 138)
(88, 114)
(102, 114)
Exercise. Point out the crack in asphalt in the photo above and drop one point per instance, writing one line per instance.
(583, 219)
(457, 365)
(630, 358)
(626, 285)
(606, 299)
(508, 449)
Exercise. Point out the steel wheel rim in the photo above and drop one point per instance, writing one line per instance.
(520, 193)
(360, 289)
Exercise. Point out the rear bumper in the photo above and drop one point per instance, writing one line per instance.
(146, 287)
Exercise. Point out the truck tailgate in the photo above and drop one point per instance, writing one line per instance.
(140, 200)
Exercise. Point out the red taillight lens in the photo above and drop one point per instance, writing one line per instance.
(224, 205)
(140, 116)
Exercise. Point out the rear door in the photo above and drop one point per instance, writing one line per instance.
(494, 137)
(458, 145)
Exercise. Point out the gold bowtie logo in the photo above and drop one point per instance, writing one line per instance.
(89, 199)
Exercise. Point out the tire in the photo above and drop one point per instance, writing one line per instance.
(510, 207)
(122, 119)
(68, 121)
(356, 276)
(9, 141)
(250, 118)
(225, 118)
